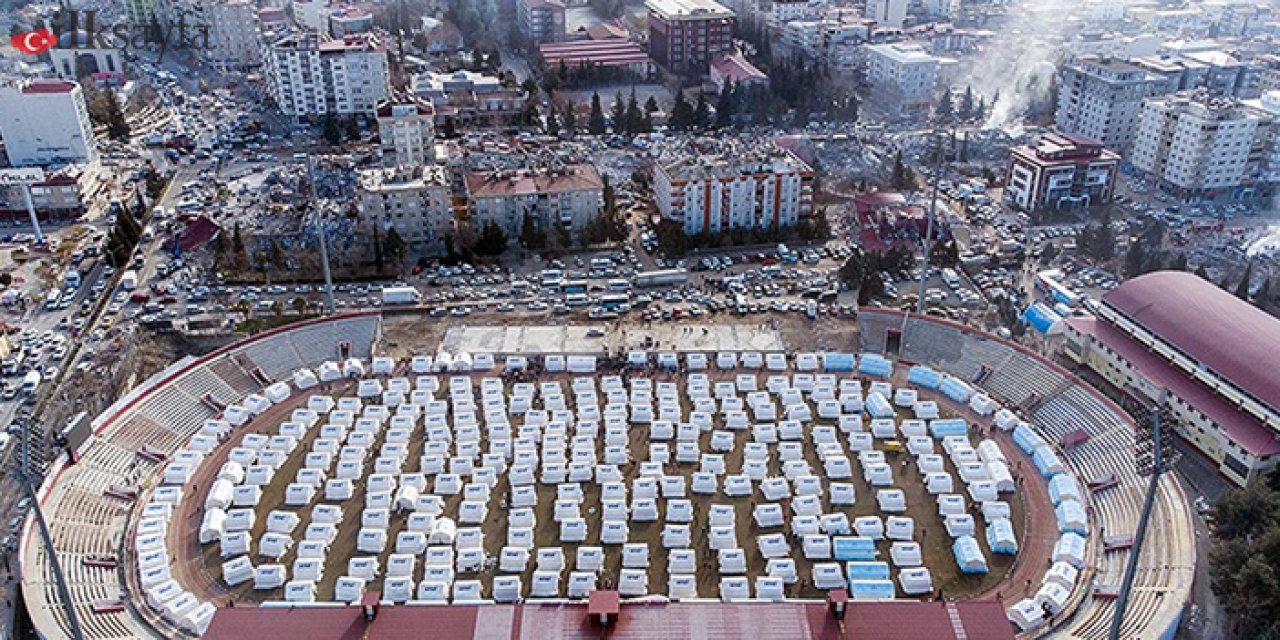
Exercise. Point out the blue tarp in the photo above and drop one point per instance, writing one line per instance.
(944, 427)
(1070, 549)
(837, 362)
(873, 364)
(872, 589)
(867, 570)
(969, 555)
(1000, 537)
(923, 376)
(878, 406)
(1072, 518)
(1041, 317)
(853, 548)
(1047, 461)
(956, 389)
(1063, 487)
(1027, 439)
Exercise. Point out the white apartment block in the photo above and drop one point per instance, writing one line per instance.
(139, 12)
(889, 13)
(903, 75)
(710, 186)
(232, 27)
(568, 196)
(46, 122)
(780, 12)
(309, 77)
(1201, 145)
(415, 201)
(407, 132)
(1100, 99)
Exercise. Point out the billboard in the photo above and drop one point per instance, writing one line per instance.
(28, 175)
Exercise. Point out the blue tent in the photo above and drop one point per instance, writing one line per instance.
(1072, 518)
(837, 362)
(1047, 461)
(878, 406)
(923, 376)
(969, 555)
(853, 548)
(1000, 537)
(1042, 318)
(867, 570)
(872, 589)
(874, 364)
(1027, 439)
(955, 389)
(1063, 487)
(944, 427)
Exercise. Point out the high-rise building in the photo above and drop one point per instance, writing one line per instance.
(1060, 171)
(1202, 145)
(890, 13)
(139, 12)
(232, 28)
(903, 75)
(1100, 99)
(685, 34)
(541, 20)
(415, 201)
(714, 185)
(408, 132)
(567, 197)
(46, 122)
(311, 77)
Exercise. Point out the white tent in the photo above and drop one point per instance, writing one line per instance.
(300, 591)
(828, 575)
(1062, 574)
(900, 528)
(213, 525)
(891, 500)
(869, 526)
(1052, 596)
(506, 589)
(348, 589)
(237, 570)
(915, 581)
(959, 524)
(939, 482)
(816, 547)
(1026, 614)
(633, 583)
(269, 576)
(906, 554)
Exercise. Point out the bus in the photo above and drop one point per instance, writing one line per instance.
(577, 300)
(619, 302)
(573, 286)
(619, 285)
(551, 277)
(601, 263)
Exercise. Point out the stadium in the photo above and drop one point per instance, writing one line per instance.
(306, 482)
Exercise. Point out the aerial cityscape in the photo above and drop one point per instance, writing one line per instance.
(541, 319)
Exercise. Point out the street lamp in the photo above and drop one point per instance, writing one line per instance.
(928, 234)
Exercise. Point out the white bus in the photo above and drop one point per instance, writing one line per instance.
(619, 285)
(577, 300)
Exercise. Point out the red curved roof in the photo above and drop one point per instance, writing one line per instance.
(1231, 337)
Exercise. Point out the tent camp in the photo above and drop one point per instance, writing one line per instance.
(1072, 518)
(915, 581)
(1070, 549)
(969, 555)
(1000, 537)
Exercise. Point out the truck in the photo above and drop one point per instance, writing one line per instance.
(661, 278)
(31, 382)
(401, 295)
(129, 280)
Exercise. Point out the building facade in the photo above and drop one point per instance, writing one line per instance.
(415, 201)
(46, 122)
(711, 186)
(407, 131)
(1202, 145)
(903, 76)
(139, 12)
(541, 20)
(1101, 99)
(309, 77)
(685, 34)
(1060, 171)
(888, 13)
(1174, 336)
(567, 197)
(231, 25)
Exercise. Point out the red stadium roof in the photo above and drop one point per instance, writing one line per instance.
(1229, 336)
(904, 620)
(1242, 428)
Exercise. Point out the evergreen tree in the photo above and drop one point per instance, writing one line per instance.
(1263, 299)
(570, 120)
(632, 115)
(117, 127)
(1242, 289)
(966, 104)
(681, 112)
(332, 134)
(353, 128)
(237, 243)
(553, 125)
(651, 105)
(379, 260)
(944, 111)
(595, 123)
(397, 248)
(619, 113)
(492, 241)
(701, 112)
(724, 107)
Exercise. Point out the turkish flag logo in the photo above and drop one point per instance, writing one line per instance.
(33, 42)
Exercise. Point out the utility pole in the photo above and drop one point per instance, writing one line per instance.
(928, 234)
(322, 232)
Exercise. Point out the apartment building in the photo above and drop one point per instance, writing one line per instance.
(1060, 171)
(312, 77)
(684, 35)
(1100, 99)
(903, 76)
(568, 196)
(46, 122)
(541, 20)
(415, 201)
(231, 24)
(407, 131)
(888, 13)
(714, 185)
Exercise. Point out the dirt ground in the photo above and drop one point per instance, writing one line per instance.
(200, 567)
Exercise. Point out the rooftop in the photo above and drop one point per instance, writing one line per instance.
(48, 86)
(703, 158)
(403, 179)
(683, 9)
(492, 184)
(902, 52)
(1227, 335)
(737, 68)
(611, 51)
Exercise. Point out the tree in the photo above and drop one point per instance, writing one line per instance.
(632, 115)
(237, 243)
(701, 112)
(492, 241)
(1263, 299)
(379, 259)
(117, 126)
(553, 125)
(396, 247)
(681, 112)
(903, 179)
(353, 128)
(966, 104)
(299, 305)
(853, 269)
(569, 123)
(1242, 289)
(329, 126)
(724, 107)
(595, 123)
(619, 113)
(531, 236)
(944, 111)
(651, 105)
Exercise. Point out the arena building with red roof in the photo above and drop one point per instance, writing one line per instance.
(1174, 333)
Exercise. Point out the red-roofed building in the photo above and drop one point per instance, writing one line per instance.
(1212, 353)
(57, 197)
(597, 53)
(1061, 170)
(568, 196)
(733, 68)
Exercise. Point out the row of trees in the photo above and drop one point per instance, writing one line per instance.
(861, 271)
(675, 243)
(105, 110)
(1244, 561)
(970, 108)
